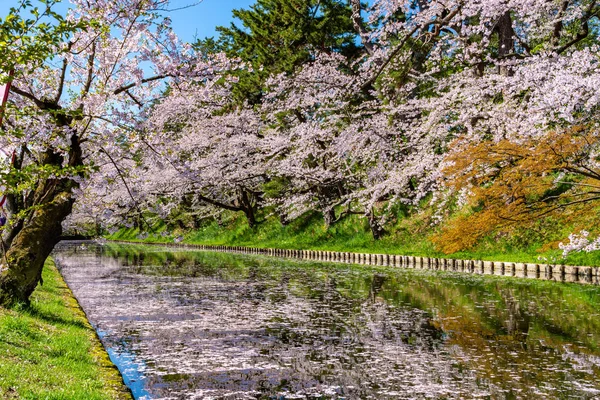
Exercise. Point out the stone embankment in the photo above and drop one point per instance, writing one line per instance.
(555, 272)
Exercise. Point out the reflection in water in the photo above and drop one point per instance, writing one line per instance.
(131, 368)
(216, 326)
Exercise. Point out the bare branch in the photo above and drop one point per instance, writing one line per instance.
(359, 26)
(63, 74)
(146, 80)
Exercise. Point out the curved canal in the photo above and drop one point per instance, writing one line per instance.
(184, 324)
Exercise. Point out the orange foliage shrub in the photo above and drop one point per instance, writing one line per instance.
(514, 184)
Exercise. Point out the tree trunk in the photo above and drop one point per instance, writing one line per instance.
(247, 206)
(329, 217)
(98, 227)
(14, 203)
(376, 228)
(249, 212)
(506, 41)
(283, 219)
(23, 262)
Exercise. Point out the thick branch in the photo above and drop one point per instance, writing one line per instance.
(41, 104)
(400, 46)
(146, 80)
(218, 203)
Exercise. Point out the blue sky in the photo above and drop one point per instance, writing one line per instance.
(198, 21)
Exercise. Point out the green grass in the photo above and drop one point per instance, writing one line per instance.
(48, 350)
(409, 236)
(308, 232)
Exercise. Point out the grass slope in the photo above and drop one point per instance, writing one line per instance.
(409, 236)
(49, 351)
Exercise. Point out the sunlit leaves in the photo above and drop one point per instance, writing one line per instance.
(31, 33)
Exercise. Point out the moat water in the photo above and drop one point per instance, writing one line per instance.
(184, 324)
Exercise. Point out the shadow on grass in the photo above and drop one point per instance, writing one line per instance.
(53, 319)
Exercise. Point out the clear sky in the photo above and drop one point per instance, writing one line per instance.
(198, 21)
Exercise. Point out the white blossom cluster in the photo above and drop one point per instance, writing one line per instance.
(580, 242)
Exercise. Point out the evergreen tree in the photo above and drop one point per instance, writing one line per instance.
(277, 36)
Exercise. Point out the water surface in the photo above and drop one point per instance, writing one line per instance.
(184, 324)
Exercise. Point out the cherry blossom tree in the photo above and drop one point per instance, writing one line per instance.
(194, 154)
(81, 85)
(358, 135)
(342, 144)
(203, 154)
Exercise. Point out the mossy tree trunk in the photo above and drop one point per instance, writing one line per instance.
(24, 259)
(38, 221)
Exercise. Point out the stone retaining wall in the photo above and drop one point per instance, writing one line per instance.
(560, 273)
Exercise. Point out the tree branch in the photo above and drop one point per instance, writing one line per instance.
(218, 203)
(146, 80)
(400, 45)
(63, 74)
(41, 104)
(135, 203)
(586, 29)
(90, 76)
(359, 26)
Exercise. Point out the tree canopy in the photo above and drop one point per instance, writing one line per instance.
(325, 107)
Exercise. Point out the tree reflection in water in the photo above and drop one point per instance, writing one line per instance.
(210, 325)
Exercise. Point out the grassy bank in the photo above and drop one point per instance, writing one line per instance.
(49, 351)
(411, 236)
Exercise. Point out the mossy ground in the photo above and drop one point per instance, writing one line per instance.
(406, 236)
(48, 350)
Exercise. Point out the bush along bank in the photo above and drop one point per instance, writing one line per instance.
(50, 351)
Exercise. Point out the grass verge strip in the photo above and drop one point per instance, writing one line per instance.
(48, 350)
